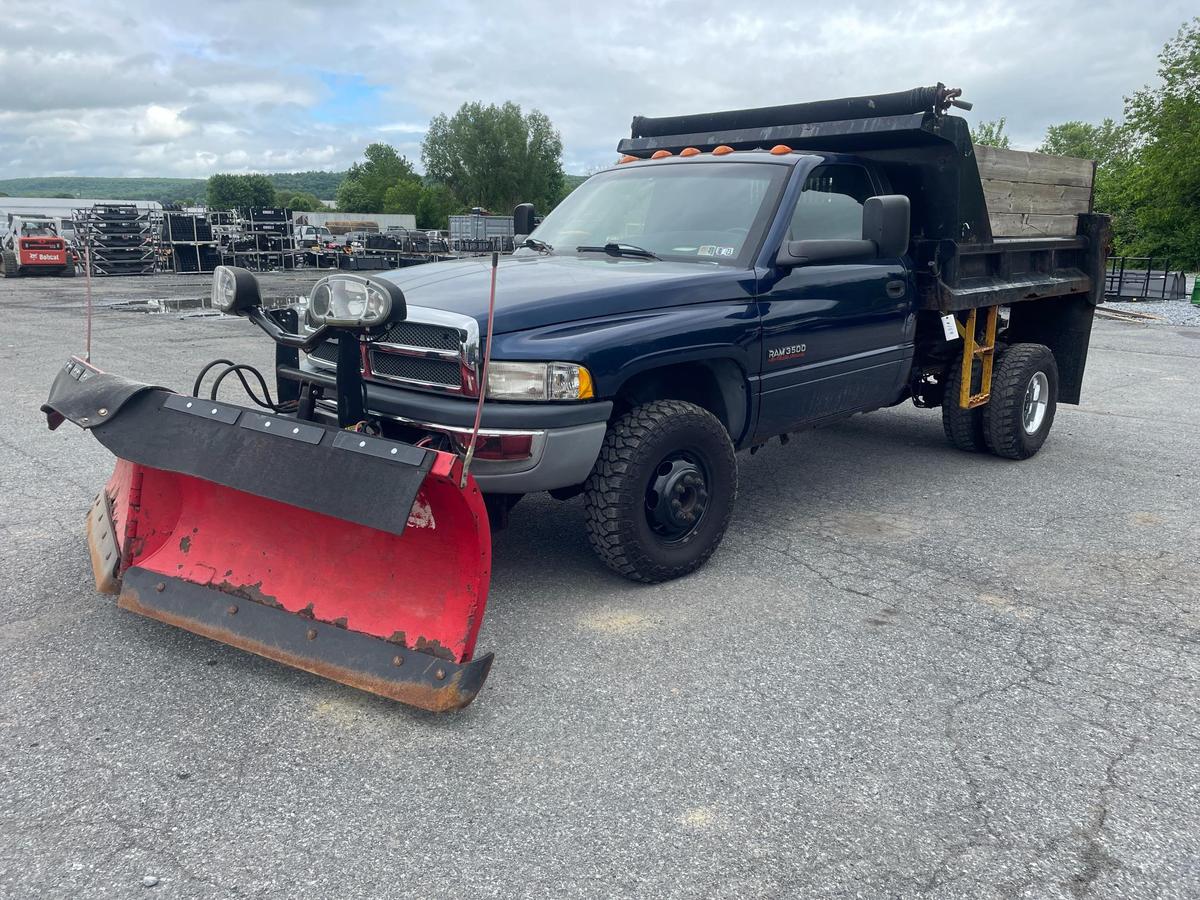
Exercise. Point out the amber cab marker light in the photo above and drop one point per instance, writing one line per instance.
(626, 158)
(722, 150)
(659, 154)
(689, 151)
(780, 149)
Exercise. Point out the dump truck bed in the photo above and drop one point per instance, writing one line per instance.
(1045, 240)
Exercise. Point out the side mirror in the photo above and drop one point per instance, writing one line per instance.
(886, 223)
(235, 290)
(523, 219)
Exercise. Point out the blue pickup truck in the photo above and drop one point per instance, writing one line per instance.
(736, 277)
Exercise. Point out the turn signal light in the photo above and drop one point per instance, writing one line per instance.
(497, 446)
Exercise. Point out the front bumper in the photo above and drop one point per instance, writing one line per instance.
(566, 437)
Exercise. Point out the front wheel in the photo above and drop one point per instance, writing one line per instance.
(1024, 398)
(661, 493)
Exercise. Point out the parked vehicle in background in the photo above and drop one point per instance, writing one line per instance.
(32, 245)
(312, 236)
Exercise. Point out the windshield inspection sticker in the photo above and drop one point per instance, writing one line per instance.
(950, 326)
(713, 250)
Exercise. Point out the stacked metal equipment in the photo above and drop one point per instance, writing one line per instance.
(480, 232)
(189, 242)
(116, 239)
(264, 240)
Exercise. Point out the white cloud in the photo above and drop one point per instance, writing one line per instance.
(135, 88)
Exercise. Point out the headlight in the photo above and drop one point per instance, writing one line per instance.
(354, 301)
(538, 381)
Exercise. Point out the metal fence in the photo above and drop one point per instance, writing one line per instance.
(1143, 278)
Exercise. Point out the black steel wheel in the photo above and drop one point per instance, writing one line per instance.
(659, 498)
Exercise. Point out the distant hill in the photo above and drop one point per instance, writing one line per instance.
(173, 190)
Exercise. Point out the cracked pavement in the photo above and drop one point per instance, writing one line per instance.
(908, 672)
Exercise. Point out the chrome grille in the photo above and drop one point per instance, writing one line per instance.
(443, 372)
(432, 350)
(419, 334)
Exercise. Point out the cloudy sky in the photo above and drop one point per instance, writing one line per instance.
(188, 89)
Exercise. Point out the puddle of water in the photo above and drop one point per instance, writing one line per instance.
(193, 307)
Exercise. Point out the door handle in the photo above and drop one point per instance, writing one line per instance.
(896, 289)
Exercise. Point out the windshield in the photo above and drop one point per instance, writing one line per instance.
(38, 228)
(696, 212)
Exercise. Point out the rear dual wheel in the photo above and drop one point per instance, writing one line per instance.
(1017, 418)
(660, 496)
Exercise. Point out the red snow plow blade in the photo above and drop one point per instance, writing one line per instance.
(353, 557)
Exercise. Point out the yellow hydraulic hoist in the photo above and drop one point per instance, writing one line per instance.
(974, 349)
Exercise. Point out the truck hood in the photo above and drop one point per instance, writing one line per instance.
(535, 291)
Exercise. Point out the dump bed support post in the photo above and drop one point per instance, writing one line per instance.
(973, 350)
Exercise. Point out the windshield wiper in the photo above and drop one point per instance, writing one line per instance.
(612, 248)
(534, 244)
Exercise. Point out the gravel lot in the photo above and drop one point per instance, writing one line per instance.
(1166, 312)
(908, 672)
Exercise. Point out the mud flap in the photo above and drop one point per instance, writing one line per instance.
(353, 557)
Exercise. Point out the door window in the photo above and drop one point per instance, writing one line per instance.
(831, 204)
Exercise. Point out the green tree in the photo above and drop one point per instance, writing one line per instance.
(298, 201)
(436, 205)
(403, 197)
(990, 134)
(1105, 143)
(1161, 192)
(496, 156)
(366, 183)
(232, 191)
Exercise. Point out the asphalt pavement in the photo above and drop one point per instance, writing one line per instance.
(907, 672)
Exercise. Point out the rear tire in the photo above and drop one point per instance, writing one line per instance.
(660, 496)
(963, 427)
(1024, 399)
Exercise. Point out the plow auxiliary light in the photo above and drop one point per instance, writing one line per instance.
(234, 290)
(355, 301)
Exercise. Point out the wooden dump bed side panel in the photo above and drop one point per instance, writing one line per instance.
(1034, 194)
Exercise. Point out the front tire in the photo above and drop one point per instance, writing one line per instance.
(660, 496)
(1024, 399)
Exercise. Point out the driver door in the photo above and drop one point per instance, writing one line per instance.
(834, 336)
